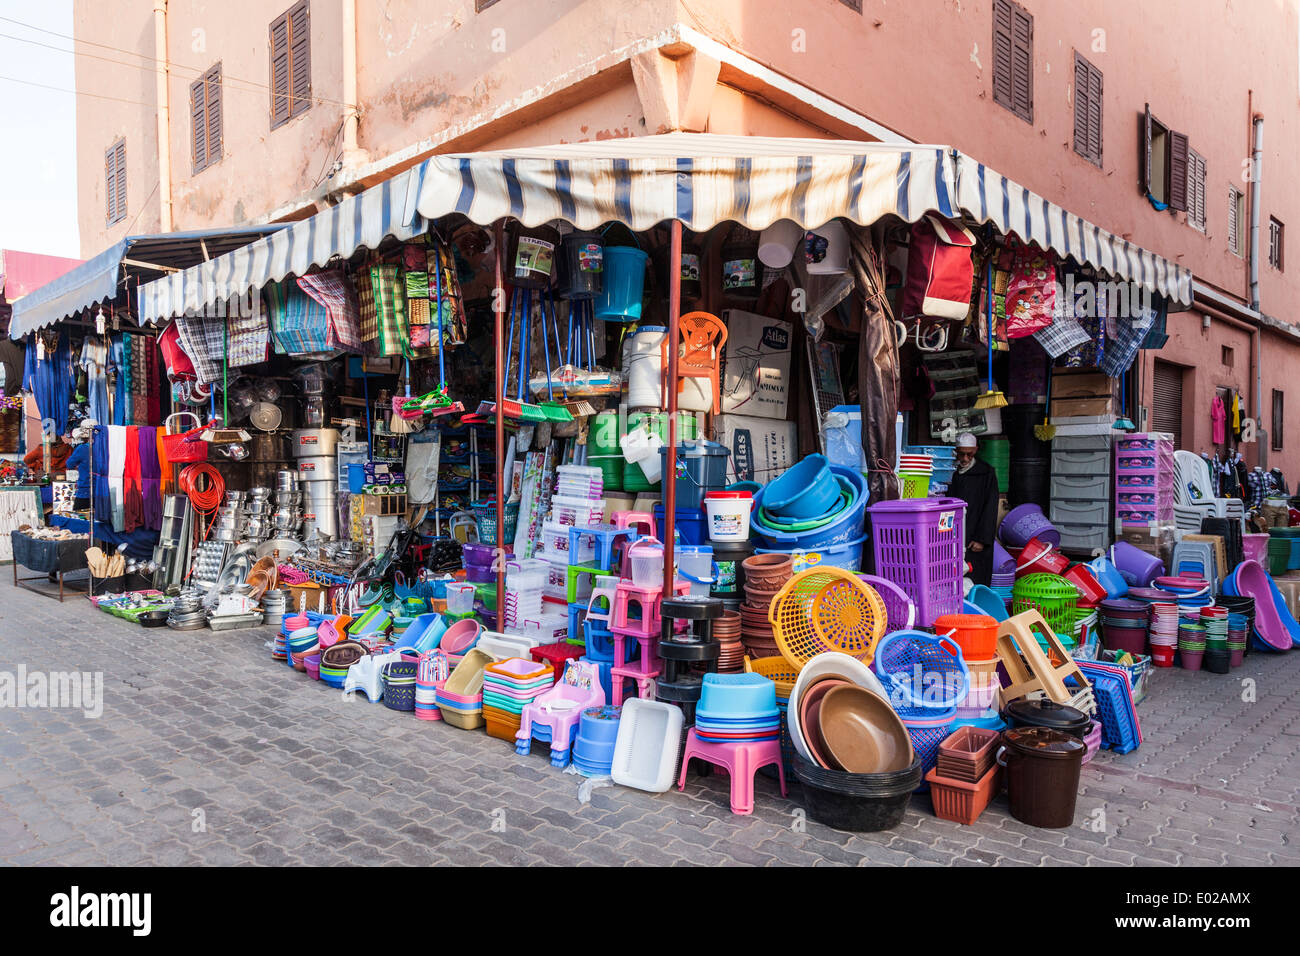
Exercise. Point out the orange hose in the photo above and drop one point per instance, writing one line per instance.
(203, 498)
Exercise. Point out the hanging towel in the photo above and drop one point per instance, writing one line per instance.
(133, 496)
(1217, 419)
(116, 475)
(150, 478)
(99, 465)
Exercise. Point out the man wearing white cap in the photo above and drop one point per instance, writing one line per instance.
(975, 483)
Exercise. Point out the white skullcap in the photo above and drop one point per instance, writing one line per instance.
(966, 440)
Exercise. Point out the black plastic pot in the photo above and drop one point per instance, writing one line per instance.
(857, 802)
(1049, 714)
(1217, 662)
(581, 265)
(1042, 775)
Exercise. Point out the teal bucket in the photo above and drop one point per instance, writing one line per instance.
(624, 284)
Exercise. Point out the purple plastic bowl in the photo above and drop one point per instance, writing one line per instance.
(1135, 566)
(1028, 521)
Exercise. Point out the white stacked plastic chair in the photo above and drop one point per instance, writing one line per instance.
(1192, 472)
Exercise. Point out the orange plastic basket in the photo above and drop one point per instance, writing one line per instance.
(826, 609)
(777, 670)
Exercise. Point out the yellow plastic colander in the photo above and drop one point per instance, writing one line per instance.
(826, 609)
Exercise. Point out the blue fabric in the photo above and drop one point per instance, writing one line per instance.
(99, 464)
(116, 360)
(80, 460)
(135, 544)
(50, 381)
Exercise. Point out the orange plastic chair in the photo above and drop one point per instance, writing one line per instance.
(703, 336)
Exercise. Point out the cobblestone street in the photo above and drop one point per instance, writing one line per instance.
(209, 752)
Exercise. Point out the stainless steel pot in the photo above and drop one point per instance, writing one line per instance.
(316, 468)
(314, 442)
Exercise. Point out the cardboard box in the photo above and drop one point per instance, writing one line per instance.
(755, 369)
(761, 449)
(1083, 385)
(1072, 407)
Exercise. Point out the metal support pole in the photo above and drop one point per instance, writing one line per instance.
(670, 467)
(498, 340)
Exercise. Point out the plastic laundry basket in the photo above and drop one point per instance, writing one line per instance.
(919, 545)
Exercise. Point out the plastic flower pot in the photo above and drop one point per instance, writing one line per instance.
(960, 801)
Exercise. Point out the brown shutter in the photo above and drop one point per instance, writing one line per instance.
(280, 70)
(215, 134)
(1022, 63)
(1234, 241)
(110, 184)
(300, 57)
(1144, 150)
(1002, 46)
(1094, 113)
(119, 159)
(198, 123)
(1177, 170)
(1082, 94)
(1167, 400)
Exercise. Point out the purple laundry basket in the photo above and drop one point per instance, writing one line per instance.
(900, 612)
(1028, 521)
(919, 544)
(1137, 567)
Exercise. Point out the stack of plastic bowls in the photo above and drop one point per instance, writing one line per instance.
(593, 748)
(1238, 634)
(1191, 645)
(1124, 624)
(1164, 633)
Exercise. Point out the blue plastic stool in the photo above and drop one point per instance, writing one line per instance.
(606, 537)
(577, 618)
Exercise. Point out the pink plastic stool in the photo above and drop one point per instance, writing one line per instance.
(648, 599)
(642, 521)
(741, 760)
(643, 670)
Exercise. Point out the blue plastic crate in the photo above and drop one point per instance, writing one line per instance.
(1119, 730)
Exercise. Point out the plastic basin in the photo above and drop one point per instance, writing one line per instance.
(846, 527)
(806, 490)
(742, 696)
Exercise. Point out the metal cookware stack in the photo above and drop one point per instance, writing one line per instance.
(314, 451)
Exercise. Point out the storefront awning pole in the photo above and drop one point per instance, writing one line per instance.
(670, 467)
(498, 339)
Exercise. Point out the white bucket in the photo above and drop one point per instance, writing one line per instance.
(695, 565)
(835, 260)
(647, 564)
(728, 518)
(643, 366)
(776, 244)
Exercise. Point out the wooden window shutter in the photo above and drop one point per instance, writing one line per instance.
(1177, 170)
(110, 185)
(1144, 150)
(280, 70)
(1022, 63)
(199, 123)
(1234, 235)
(300, 57)
(213, 96)
(1002, 54)
(119, 180)
(1196, 189)
(1087, 110)
(1094, 112)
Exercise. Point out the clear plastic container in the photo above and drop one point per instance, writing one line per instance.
(460, 598)
(647, 564)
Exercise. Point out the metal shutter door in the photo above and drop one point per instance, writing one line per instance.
(1167, 401)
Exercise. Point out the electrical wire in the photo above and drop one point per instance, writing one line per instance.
(207, 498)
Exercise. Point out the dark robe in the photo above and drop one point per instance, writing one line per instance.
(978, 487)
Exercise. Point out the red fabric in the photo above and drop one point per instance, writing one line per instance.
(939, 270)
(133, 490)
(177, 362)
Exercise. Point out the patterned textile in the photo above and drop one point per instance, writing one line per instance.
(381, 296)
(242, 338)
(1064, 334)
(1129, 336)
(1257, 485)
(332, 290)
(1031, 291)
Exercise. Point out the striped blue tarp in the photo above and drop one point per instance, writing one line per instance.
(701, 179)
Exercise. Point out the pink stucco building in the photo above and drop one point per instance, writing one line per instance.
(1048, 93)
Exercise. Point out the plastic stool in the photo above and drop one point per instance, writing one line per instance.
(573, 575)
(642, 521)
(741, 760)
(605, 615)
(556, 655)
(1198, 558)
(648, 599)
(577, 615)
(606, 538)
(644, 669)
(685, 660)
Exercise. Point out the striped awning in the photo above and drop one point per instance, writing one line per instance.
(988, 196)
(701, 179)
(360, 221)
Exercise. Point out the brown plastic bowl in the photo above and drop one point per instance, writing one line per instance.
(862, 733)
(809, 712)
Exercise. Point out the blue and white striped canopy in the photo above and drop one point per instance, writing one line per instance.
(701, 179)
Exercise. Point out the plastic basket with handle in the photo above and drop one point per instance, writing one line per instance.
(826, 609)
(922, 671)
(915, 485)
(184, 446)
(1051, 595)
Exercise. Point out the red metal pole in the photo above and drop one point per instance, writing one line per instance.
(670, 469)
(498, 310)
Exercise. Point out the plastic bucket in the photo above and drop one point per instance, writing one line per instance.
(695, 565)
(1042, 768)
(532, 257)
(1026, 522)
(611, 470)
(728, 514)
(623, 284)
(701, 467)
(1039, 557)
(847, 525)
(460, 598)
(688, 525)
(647, 561)
(581, 265)
(643, 366)
(857, 802)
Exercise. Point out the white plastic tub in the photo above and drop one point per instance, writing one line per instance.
(649, 740)
(728, 515)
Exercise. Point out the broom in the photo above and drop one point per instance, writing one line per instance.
(1046, 431)
(993, 398)
(1123, 423)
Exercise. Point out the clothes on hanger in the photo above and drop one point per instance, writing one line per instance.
(1218, 418)
(1236, 416)
(1257, 483)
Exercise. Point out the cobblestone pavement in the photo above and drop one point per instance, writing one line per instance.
(209, 752)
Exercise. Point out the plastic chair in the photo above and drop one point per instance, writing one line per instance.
(1194, 490)
(1196, 559)
(741, 760)
(703, 336)
(557, 711)
(606, 538)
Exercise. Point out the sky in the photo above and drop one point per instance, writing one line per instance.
(38, 170)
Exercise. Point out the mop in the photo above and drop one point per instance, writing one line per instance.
(992, 398)
(554, 411)
(437, 402)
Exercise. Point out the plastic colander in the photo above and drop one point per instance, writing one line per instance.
(826, 609)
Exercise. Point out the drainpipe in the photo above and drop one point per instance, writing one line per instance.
(1256, 177)
(353, 155)
(164, 113)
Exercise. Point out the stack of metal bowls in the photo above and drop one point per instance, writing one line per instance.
(273, 607)
(187, 612)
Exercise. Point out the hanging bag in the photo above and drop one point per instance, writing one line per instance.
(939, 270)
(182, 447)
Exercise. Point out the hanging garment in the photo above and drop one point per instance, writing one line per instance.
(166, 483)
(121, 376)
(117, 475)
(1217, 419)
(49, 379)
(1236, 416)
(150, 478)
(94, 359)
(1229, 487)
(103, 501)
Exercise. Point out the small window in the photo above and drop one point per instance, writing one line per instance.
(854, 5)
(1236, 220)
(1087, 110)
(205, 119)
(1229, 357)
(1013, 58)
(1278, 417)
(115, 181)
(290, 63)
(1195, 190)
(1275, 238)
